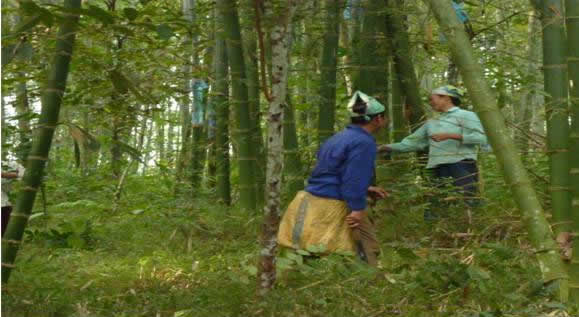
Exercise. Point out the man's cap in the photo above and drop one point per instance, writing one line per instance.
(449, 90)
(373, 106)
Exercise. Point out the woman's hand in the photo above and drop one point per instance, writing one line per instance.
(377, 192)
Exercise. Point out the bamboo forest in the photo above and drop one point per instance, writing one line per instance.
(290, 158)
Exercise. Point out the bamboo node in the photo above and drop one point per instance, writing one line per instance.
(19, 214)
(29, 189)
(8, 265)
(54, 90)
(45, 126)
(11, 241)
(37, 158)
(554, 151)
(559, 188)
(555, 66)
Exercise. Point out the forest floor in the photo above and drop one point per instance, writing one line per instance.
(160, 256)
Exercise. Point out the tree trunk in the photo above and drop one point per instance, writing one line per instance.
(51, 101)
(403, 63)
(529, 101)
(251, 62)
(540, 234)
(399, 124)
(220, 97)
(572, 12)
(185, 158)
(556, 87)
(160, 137)
(372, 77)
(328, 64)
(22, 108)
(280, 63)
(292, 162)
(246, 156)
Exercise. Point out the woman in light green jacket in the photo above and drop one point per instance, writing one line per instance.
(452, 139)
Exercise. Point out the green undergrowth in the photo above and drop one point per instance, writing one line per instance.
(159, 256)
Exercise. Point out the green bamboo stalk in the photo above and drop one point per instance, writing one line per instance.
(556, 87)
(399, 124)
(572, 21)
(246, 156)
(372, 77)
(51, 101)
(328, 64)
(294, 179)
(540, 234)
(403, 62)
(251, 59)
(220, 97)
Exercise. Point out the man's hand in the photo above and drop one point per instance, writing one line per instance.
(446, 136)
(354, 219)
(377, 193)
(384, 149)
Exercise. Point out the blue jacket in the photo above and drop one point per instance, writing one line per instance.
(345, 167)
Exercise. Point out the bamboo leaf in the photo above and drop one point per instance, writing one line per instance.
(130, 13)
(131, 151)
(164, 31)
(84, 139)
(100, 14)
(123, 84)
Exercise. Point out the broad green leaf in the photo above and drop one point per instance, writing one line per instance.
(407, 254)
(303, 252)
(76, 241)
(251, 269)
(164, 31)
(477, 273)
(131, 13)
(100, 14)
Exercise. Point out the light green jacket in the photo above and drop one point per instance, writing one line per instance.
(456, 121)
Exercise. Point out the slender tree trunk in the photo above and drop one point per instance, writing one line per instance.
(292, 162)
(4, 130)
(529, 100)
(171, 135)
(403, 63)
(251, 62)
(556, 87)
(280, 37)
(399, 124)
(572, 12)
(540, 234)
(160, 137)
(246, 155)
(186, 159)
(51, 101)
(221, 103)
(372, 76)
(22, 107)
(328, 64)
